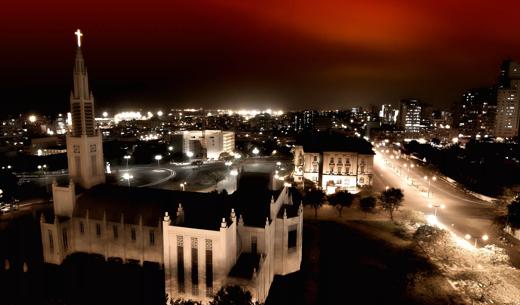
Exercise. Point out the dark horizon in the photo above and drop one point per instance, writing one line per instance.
(244, 55)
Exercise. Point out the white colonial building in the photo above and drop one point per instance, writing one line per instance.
(203, 241)
(334, 162)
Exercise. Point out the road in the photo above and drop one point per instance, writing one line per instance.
(463, 213)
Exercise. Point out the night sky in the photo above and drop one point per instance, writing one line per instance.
(254, 54)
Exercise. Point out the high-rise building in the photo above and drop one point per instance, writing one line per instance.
(388, 115)
(84, 142)
(304, 120)
(409, 118)
(508, 102)
(475, 113)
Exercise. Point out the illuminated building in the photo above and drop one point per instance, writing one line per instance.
(409, 119)
(334, 162)
(203, 241)
(508, 104)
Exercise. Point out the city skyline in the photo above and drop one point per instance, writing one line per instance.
(249, 56)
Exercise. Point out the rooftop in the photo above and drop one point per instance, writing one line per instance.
(321, 142)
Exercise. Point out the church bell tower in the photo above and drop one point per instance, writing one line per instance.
(84, 142)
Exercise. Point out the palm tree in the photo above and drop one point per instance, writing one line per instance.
(340, 200)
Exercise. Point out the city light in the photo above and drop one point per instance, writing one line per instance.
(256, 151)
(32, 118)
(158, 158)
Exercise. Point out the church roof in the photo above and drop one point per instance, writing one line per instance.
(201, 210)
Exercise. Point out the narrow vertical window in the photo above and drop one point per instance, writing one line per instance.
(133, 234)
(116, 233)
(194, 266)
(152, 237)
(98, 230)
(209, 268)
(65, 240)
(51, 241)
(81, 228)
(254, 244)
(180, 263)
(292, 237)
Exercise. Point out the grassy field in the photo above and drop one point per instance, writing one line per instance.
(360, 259)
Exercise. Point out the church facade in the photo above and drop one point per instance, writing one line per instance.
(202, 241)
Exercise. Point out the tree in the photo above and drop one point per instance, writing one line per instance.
(391, 200)
(314, 198)
(367, 204)
(341, 199)
(232, 295)
(184, 302)
(513, 213)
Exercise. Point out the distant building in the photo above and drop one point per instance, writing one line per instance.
(46, 146)
(304, 120)
(475, 113)
(203, 241)
(208, 143)
(409, 119)
(334, 162)
(508, 102)
(388, 115)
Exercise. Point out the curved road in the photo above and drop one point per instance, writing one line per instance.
(463, 212)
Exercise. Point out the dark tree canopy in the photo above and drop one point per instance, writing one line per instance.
(513, 213)
(232, 295)
(367, 204)
(314, 198)
(341, 200)
(391, 200)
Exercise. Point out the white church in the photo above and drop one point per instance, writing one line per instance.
(202, 241)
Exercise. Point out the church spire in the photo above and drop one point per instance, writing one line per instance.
(84, 143)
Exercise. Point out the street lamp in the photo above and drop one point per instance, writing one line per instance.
(127, 177)
(429, 183)
(158, 158)
(256, 151)
(127, 157)
(436, 206)
(484, 237)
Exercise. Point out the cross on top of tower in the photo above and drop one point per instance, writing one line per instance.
(78, 35)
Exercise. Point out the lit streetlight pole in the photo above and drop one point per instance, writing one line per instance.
(158, 158)
(429, 183)
(127, 157)
(484, 238)
(190, 155)
(436, 206)
(255, 151)
(127, 177)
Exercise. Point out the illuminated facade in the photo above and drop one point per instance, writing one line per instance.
(208, 143)
(335, 167)
(508, 102)
(410, 116)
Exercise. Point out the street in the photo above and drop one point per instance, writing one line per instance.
(462, 212)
